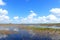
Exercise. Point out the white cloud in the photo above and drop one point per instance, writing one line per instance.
(33, 18)
(51, 17)
(55, 11)
(42, 19)
(32, 14)
(3, 16)
(2, 3)
(3, 12)
(16, 17)
(29, 18)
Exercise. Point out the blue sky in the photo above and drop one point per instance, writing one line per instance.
(30, 11)
(21, 7)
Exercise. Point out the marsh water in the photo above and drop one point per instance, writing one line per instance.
(22, 34)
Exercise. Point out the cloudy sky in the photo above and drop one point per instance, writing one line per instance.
(29, 11)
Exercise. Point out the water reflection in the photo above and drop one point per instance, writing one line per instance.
(9, 28)
(24, 34)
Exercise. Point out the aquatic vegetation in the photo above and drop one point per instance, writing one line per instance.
(30, 32)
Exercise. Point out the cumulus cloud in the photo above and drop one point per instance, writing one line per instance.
(33, 18)
(3, 12)
(53, 17)
(2, 3)
(4, 18)
(16, 17)
(55, 11)
(29, 18)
